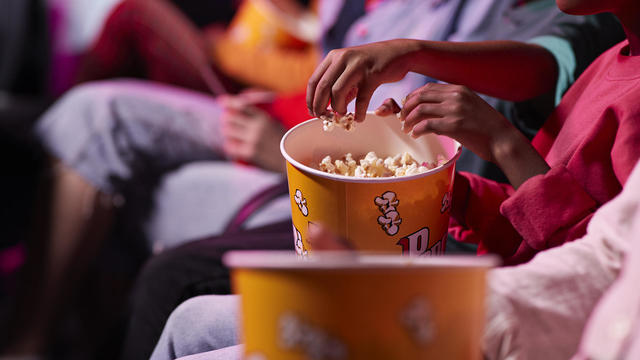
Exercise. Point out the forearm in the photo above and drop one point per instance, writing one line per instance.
(509, 70)
(515, 156)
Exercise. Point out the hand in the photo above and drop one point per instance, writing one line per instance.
(356, 72)
(457, 112)
(322, 239)
(250, 134)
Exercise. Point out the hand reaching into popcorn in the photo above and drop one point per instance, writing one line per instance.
(250, 134)
(506, 69)
(457, 112)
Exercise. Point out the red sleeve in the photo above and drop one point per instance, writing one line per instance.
(497, 218)
(290, 110)
(476, 215)
(546, 206)
(551, 209)
(625, 149)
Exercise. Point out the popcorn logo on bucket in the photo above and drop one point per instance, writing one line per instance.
(390, 219)
(255, 356)
(317, 344)
(446, 202)
(301, 202)
(299, 244)
(416, 319)
(417, 244)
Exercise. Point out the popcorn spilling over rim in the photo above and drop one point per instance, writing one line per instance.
(371, 166)
(346, 122)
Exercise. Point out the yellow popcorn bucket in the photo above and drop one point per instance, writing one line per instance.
(259, 23)
(335, 306)
(404, 215)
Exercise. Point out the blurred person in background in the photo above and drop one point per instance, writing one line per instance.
(198, 45)
(82, 216)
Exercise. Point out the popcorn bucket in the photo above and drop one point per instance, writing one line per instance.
(335, 306)
(259, 23)
(404, 215)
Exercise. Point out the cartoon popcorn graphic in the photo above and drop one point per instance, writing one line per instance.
(417, 320)
(301, 250)
(390, 219)
(255, 356)
(301, 202)
(316, 343)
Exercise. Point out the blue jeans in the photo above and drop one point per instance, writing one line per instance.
(202, 324)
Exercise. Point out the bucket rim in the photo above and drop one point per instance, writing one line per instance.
(351, 179)
(344, 260)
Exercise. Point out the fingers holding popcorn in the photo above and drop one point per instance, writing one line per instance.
(362, 68)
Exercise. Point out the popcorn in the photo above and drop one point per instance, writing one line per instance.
(440, 160)
(372, 166)
(346, 122)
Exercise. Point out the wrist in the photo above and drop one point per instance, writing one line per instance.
(519, 161)
(506, 145)
(409, 51)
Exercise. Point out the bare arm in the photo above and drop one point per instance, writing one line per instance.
(457, 112)
(506, 69)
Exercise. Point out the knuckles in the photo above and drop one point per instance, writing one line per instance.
(456, 108)
(324, 84)
(423, 109)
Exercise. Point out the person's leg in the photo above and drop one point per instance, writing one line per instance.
(234, 352)
(82, 217)
(104, 135)
(199, 199)
(199, 324)
(189, 270)
(155, 40)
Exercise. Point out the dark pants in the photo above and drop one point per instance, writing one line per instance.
(187, 271)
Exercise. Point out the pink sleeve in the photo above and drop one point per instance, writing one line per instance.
(546, 206)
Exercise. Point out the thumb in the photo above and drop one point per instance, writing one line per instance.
(321, 239)
(388, 107)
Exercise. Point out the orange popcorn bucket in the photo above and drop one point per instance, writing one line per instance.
(403, 215)
(259, 23)
(335, 306)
